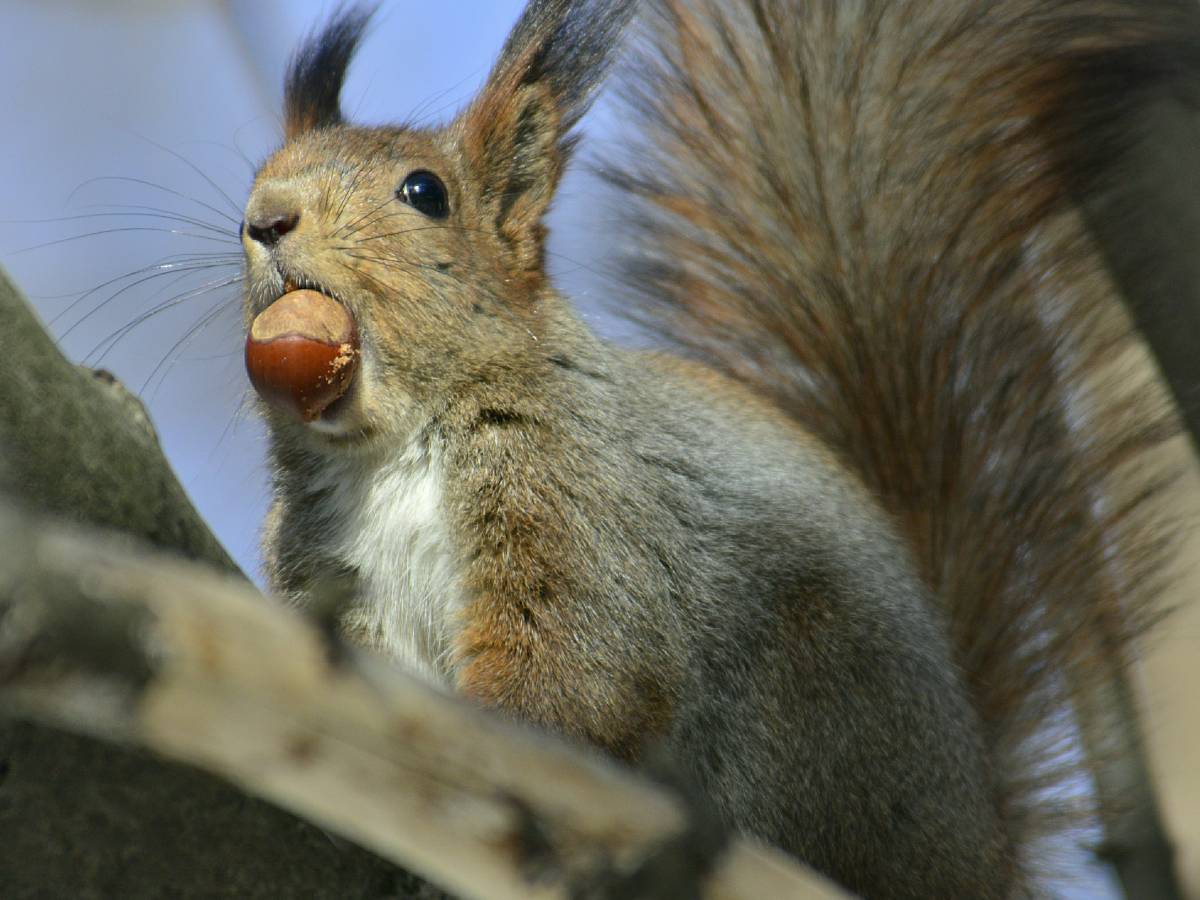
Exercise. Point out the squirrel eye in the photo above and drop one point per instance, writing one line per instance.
(425, 193)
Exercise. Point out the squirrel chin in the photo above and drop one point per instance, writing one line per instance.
(330, 423)
(335, 437)
(341, 424)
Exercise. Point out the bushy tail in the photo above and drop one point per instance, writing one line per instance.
(868, 211)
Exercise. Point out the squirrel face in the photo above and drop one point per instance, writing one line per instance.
(431, 239)
(393, 224)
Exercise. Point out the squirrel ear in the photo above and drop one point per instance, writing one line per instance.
(312, 89)
(516, 147)
(516, 134)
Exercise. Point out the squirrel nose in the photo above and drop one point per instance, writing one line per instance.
(268, 228)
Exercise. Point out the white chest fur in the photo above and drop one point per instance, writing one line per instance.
(388, 523)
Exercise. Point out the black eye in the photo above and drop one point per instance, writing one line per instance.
(425, 193)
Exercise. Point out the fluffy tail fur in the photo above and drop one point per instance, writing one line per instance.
(868, 211)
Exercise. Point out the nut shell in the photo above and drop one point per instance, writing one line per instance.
(302, 353)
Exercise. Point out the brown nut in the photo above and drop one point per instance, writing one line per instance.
(302, 353)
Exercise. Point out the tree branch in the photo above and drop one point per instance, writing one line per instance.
(79, 818)
(80, 446)
(99, 638)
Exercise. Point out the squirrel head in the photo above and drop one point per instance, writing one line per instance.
(431, 238)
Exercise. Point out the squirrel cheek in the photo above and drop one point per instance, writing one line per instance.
(302, 353)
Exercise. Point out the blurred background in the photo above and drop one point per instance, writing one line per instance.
(131, 133)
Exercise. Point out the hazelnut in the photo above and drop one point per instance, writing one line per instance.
(302, 352)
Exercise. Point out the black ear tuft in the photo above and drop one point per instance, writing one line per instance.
(517, 132)
(314, 80)
(566, 46)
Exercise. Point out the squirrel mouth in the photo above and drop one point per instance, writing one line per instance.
(302, 352)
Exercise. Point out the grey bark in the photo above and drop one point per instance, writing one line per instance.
(1146, 220)
(75, 444)
(80, 818)
(109, 639)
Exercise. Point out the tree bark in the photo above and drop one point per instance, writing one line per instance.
(75, 444)
(201, 668)
(84, 819)
(1145, 219)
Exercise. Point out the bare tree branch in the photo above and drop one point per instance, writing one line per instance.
(201, 668)
(84, 819)
(79, 446)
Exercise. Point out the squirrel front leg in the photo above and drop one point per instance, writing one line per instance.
(520, 654)
(545, 634)
(553, 632)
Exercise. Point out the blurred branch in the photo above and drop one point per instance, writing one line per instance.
(101, 638)
(84, 819)
(1145, 219)
(81, 447)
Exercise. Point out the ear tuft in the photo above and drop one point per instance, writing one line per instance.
(566, 46)
(517, 133)
(312, 89)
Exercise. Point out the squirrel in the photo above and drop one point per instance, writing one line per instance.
(848, 553)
